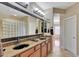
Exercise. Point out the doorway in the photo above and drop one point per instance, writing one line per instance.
(56, 41)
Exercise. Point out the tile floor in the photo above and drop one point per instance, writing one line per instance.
(57, 51)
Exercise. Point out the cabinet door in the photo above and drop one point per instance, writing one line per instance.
(44, 51)
(27, 53)
(36, 53)
(49, 47)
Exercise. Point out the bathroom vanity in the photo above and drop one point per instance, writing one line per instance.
(41, 48)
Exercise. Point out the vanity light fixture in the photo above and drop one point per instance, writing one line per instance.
(37, 11)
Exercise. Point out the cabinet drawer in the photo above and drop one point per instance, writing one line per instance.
(37, 47)
(27, 53)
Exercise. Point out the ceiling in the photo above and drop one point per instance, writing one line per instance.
(46, 5)
(4, 10)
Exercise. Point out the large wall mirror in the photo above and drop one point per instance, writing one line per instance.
(38, 26)
(14, 23)
(14, 26)
(46, 27)
(18, 26)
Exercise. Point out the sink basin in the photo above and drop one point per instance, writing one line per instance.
(20, 46)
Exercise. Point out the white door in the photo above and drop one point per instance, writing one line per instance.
(70, 34)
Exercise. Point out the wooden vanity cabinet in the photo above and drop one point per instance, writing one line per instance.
(37, 46)
(40, 50)
(44, 49)
(27, 53)
(36, 53)
(16, 55)
(49, 45)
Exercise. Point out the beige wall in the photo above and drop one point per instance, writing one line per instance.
(62, 30)
(58, 10)
(72, 10)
